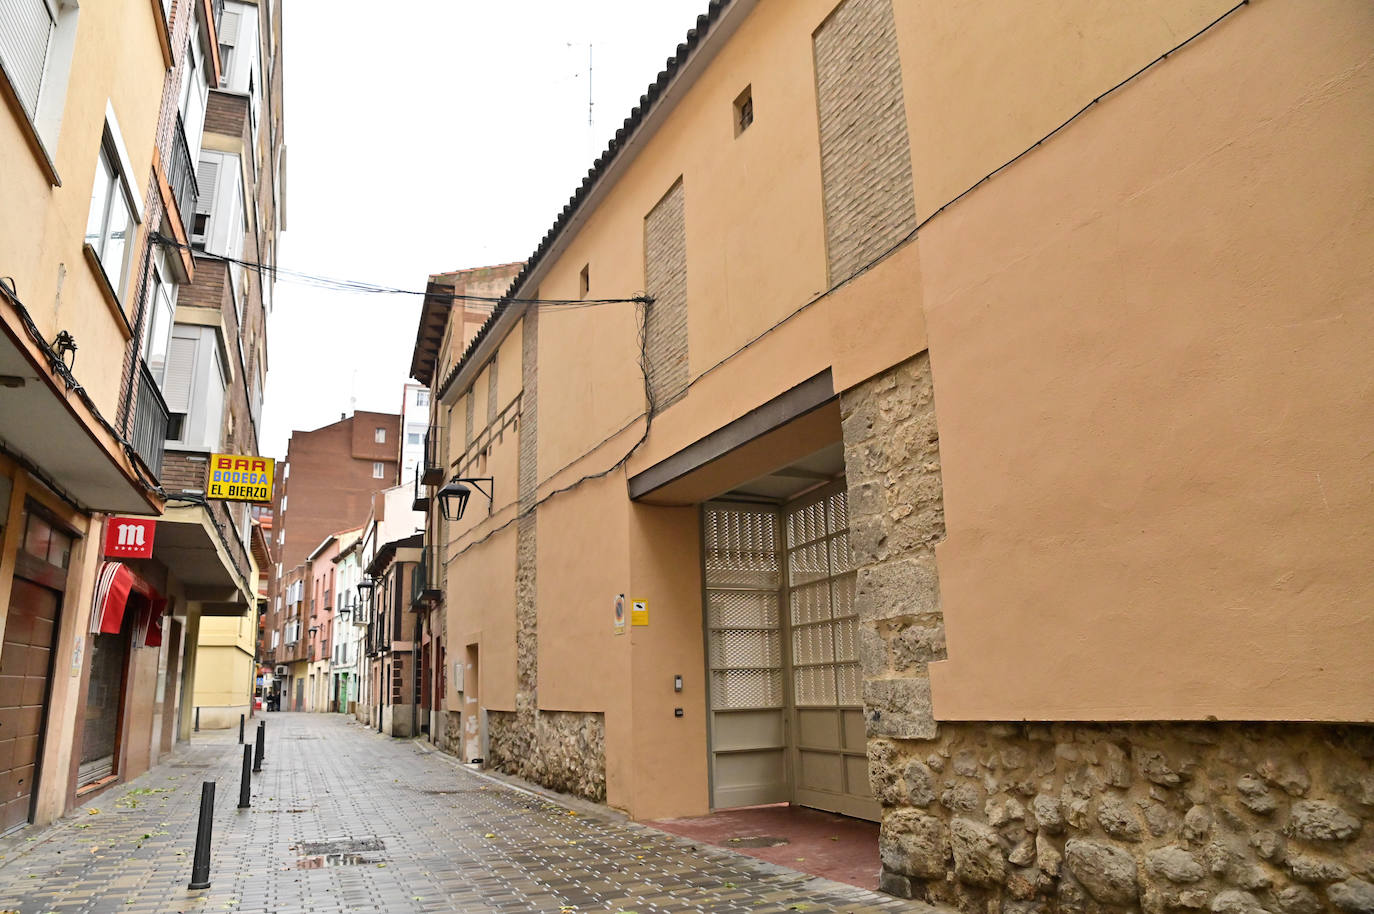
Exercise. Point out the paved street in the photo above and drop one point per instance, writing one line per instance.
(344, 819)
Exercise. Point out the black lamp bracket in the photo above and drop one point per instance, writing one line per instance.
(476, 483)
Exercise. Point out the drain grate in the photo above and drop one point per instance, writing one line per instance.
(342, 846)
(758, 841)
(318, 855)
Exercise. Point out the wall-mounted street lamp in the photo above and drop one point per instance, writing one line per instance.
(365, 588)
(453, 497)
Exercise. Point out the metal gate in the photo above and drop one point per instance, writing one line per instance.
(829, 745)
(786, 709)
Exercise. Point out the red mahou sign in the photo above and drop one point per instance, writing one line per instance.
(129, 537)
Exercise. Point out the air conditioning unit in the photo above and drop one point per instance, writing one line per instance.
(281, 670)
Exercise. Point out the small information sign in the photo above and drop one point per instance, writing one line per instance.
(639, 612)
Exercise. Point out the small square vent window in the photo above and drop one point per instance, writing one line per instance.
(744, 110)
(584, 281)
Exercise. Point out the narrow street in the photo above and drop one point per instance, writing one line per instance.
(328, 833)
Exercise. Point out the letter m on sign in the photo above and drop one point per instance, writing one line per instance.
(129, 537)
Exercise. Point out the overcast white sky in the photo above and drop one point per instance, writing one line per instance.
(423, 136)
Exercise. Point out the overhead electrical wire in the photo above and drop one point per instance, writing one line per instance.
(360, 287)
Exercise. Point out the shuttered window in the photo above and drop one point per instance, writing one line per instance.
(207, 182)
(26, 28)
(194, 387)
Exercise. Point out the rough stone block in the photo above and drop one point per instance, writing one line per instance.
(1107, 872)
(1318, 821)
(906, 586)
(899, 708)
(978, 858)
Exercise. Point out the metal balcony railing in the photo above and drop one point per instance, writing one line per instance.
(420, 500)
(183, 177)
(150, 420)
(424, 580)
(432, 472)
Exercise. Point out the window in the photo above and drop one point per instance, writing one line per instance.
(744, 110)
(194, 93)
(379, 436)
(37, 38)
(422, 397)
(283, 510)
(220, 222)
(276, 639)
(110, 224)
(378, 470)
(413, 438)
(584, 281)
(162, 312)
(193, 385)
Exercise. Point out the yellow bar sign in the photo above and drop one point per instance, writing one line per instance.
(235, 477)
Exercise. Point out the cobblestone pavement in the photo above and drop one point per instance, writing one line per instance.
(344, 819)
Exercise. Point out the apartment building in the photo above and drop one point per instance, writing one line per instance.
(350, 632)
(972, 435)
(115, 555)
(323, 486)
(414, 427)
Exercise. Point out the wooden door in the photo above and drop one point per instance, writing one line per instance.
(25, 675)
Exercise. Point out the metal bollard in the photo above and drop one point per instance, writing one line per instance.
(246, 781)
(197, 718)
(200, 869)
(241, 729)
(257, 753)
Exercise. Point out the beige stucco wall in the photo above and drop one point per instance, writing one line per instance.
(1150, 343)
(117, 59)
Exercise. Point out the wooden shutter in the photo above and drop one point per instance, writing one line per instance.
(25, 32)
(181, 369)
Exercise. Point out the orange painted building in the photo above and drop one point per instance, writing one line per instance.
(970, 412)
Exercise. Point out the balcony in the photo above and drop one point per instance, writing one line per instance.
(420, 501)
(432, 471)
(183, 177)
(150, 420)
(424, 581)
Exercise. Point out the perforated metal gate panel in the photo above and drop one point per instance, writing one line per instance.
(745, 656)
(828, 743)
(786, 701)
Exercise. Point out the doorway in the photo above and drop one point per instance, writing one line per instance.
(26, 664)
(786, 704)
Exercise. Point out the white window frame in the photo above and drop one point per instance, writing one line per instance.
(378, 469)
(112, 159)
(162, 310)
(379, 436)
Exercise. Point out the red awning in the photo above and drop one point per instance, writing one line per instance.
(115, 585)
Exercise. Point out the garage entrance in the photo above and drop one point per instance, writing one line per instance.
(786, 704)
(26, 663)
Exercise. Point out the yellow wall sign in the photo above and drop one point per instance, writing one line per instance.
(235, 477)
(639, 612)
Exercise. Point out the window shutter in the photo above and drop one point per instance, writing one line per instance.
(181, 368)
(25, 31)
(207, 178)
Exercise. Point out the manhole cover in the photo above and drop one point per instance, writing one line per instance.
(758, 841)
(318, 855)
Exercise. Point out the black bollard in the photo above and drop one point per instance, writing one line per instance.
(240, 729)
(257, 753)
(246, 781)
(200, 869)
(197, 718)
